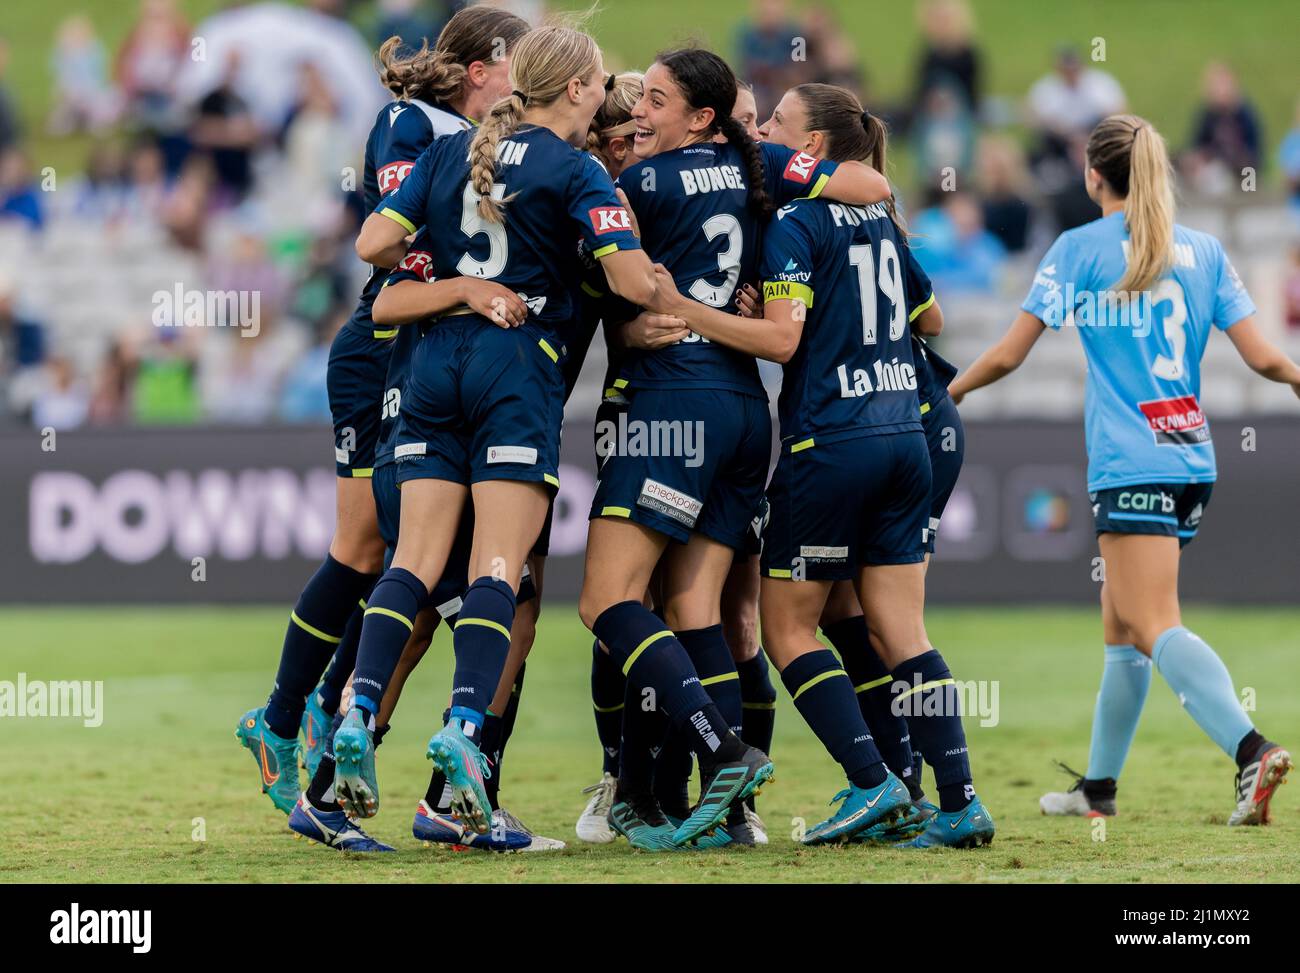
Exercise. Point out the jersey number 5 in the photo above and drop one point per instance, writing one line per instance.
(472, 225)
(891, 285)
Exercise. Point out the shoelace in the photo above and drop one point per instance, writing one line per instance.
(512, 823)
(1078, 777)
(839, 797)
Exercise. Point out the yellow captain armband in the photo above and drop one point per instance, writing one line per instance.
(787, 290)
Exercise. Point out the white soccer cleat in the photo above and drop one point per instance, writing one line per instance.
(1074, 802)
(1255, 785)
(756, 825)
(593, 827)
(504, 819)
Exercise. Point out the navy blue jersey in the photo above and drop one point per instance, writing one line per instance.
(402, 131)
(416, 265)
(934, 373)
(853, 373)
(692, 207)
(557, 196)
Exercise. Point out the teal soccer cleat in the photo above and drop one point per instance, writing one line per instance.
(315, 733)
(728, 783)
(355, 785)
(276, 758)
(862, 808)
(464, 767)
(968, 828)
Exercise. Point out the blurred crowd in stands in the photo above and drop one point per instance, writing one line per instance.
(227, 159)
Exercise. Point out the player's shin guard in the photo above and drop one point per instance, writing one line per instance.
(824, 697)
(482, 643)
(758, 701)
(1124, 684)
(871, 681)
(932, 707)
(389, 621)
(607, 688)
(650, 655)
(316, 627)
(1196, 673)
(341, 665)
(709, 654)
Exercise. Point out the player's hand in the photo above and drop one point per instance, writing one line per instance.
(668, 299)
(631, 214)
(650, 331)
(749, 302)
(497, 303)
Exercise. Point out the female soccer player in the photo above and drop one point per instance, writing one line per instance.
(439, 91)
(485, 399)
(699, 204)
(850, 498)
(1144, 293)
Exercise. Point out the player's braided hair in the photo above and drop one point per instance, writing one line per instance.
(541, 67)
(706, 81)
(850, 131)
(438, 74)
(614, 117)
(1130, 155)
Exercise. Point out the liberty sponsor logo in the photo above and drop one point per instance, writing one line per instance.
(512, 454)
(711, 179)
(72, 926)
(653, 437)
(609, 219)
(705, 729)
(390, 176)
(26, 698)
(190, 308)
(891, 376)
(663, 499)
(1177, 421)
(800, 167)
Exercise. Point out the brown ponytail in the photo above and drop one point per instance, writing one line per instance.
(438, 74)
(1131, 156)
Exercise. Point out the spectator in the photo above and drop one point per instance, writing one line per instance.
(949, 59)
(831, 56)
(1066, 104)
(109, 398)
(1291, 291)
(20, 197)
(22, 339)
(1226, 136)
(162, 373)
(766, 48)
(1288, 155)
(184, 213)
(955, 249)
(10, 127)
(317, 148)
(303, 397)
(149, 61)
(100, 195)
(943, 133)
(84, 101)
(1003, 183)
(64, 402)
(224, 130)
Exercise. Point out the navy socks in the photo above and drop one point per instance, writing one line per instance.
(758, 702)
(607, 688)
(482, 643)
(932, 707)
(389, 621)
(824, 697)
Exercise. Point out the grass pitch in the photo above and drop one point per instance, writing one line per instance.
(122, 802)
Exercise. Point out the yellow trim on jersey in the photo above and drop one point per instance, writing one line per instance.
(818, 186)
(787, 290)
(604, 251)
(925, 407)
(361, 602)
(293, 617)
(778, 572)
(636, 654)
(364, 474)
(607, 709)
(758, 705)
(820, 677)
(615, 512)
(387, 333)
(927, 685)
(591, 291)
(802, 445)
(725, 677)
(552, 480)
(392, 614)
(873, 684)
(397, 217)
(485, 623)
(920, 308)
(620, 383)
(546, 347)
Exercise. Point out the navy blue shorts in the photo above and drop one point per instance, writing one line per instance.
(1162, 509)
(838, 506)
(605, 426)
(355, 380)
(481, 403)
(946, 438)
(447, 593)
(688, 460)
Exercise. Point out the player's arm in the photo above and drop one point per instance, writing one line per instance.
(796, 174)
(1263, 357)
(929, 322)
(407, 301)
(924, 314)
(382, 240)
(1000, 360)
(857, 184)
(774, 336)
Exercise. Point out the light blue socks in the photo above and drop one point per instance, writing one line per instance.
(1196, 673)
(1124, 684)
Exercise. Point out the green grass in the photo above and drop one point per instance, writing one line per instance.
(1157, 49)
(117, 803)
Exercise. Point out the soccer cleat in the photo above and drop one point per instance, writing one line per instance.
(333, 829)
(464, 767)
(756, 826)
(968, 828)
(860, 808)
(276, 758)
(593, 826)
(729, 782)
(735, 830)
(445, 829)
(1256, 783)
(315, 733)
(513, 824)
(355, 784)
(1075, 802)
(639, 819)
(911, 824)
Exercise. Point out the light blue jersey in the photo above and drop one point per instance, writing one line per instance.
(1142, 411)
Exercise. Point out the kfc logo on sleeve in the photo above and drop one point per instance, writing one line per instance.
(609, 219)
(391, 176)
(800, 167)
(418, 262)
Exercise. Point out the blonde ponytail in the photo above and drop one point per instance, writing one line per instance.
(1131, 156)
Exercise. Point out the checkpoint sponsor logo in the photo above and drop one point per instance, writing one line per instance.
(663, 499)
(1176, 422)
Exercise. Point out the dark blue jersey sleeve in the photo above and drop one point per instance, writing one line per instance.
(596, 208)
(402, 138)
(407, 204)
(417, 264)
(793, 175)
(789, 256)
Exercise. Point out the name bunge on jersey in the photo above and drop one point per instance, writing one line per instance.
(183, 307)
(683, 439)
(1077, 307)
